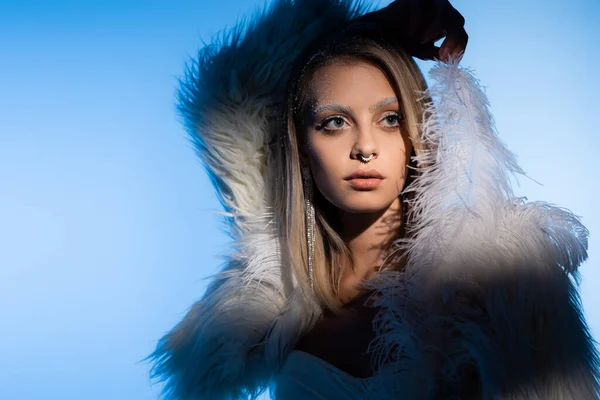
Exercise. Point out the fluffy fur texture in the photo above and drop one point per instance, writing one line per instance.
(230, 341)
(489, 270)
(487, 289)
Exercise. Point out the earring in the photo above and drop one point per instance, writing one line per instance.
(309, 213)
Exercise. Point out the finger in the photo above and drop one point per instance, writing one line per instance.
(427, 52)
(456, 38)
(433, 34)
(454, 44)
(453, 21)
(435, 30)
(420, 15)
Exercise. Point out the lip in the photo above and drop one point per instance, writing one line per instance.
(364, 179)
(364, 184)
(364, 174)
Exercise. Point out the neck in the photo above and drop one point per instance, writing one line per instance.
(369, 235)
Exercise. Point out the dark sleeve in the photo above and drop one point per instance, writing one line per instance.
(523, 338)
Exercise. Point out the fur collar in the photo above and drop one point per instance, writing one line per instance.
(474, 239)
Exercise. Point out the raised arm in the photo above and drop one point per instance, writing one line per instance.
(418, 24)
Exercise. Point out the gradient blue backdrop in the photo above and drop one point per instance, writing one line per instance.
(107, 222)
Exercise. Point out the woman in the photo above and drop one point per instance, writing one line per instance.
(429, 284)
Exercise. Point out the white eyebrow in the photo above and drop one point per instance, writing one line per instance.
(348, 110)
(332, 107)
(383, 103)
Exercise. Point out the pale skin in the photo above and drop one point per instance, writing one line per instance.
(356, 112)
(369, 219)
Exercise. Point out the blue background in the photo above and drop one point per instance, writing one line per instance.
(107, 220)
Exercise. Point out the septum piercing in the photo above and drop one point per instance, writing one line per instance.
(365, 159)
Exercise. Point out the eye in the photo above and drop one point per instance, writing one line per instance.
(392, 120)
(333, 123)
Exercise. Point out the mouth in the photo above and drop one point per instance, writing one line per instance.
(364, 174)
(364, 179)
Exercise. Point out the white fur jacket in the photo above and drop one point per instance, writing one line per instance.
(496, 274)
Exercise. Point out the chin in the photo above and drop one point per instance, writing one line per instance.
(362, 210)
(367, 204)
(360, 202)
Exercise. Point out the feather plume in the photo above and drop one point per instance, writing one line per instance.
(486, 284)
(465, 185)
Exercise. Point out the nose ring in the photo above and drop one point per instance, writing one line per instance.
(365, 159)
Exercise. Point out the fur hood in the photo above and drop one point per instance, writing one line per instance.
(494, 272)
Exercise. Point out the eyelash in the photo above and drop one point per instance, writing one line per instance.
(321, 126)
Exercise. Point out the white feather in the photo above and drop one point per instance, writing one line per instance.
(485, 285)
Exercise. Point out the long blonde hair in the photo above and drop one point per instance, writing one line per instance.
(332, 257)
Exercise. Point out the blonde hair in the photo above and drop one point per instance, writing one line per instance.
(332, 257)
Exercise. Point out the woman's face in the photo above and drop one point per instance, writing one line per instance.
(354, 111)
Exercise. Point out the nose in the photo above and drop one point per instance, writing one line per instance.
(365, 146)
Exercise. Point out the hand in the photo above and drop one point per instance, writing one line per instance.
(418, 24)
